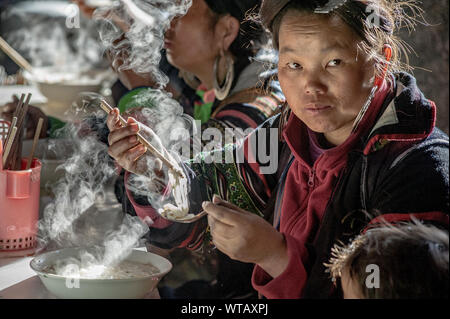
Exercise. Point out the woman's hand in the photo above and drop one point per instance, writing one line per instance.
(246, 237)
(32, 119)
(127, 150)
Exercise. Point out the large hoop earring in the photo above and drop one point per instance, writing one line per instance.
(364, 109)
(223, 91)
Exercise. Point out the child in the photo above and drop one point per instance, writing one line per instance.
(407, 262)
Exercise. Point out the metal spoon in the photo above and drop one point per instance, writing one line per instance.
(186, 220)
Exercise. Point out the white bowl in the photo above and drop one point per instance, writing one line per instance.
(62, 95)
(99, 288)
(63, 88)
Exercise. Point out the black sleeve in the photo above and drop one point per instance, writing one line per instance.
(417, 181)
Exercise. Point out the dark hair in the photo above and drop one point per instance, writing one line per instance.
(412, 259)
(251, 34)
(374, 21)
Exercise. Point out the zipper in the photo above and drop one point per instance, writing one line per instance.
(336, 186)
(363, 184)
(312, 177)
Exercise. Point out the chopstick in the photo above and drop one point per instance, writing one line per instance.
(16, 160)
(16, 112)
(108, 109)
(15, 56)
(35, 141)
(12, 159)
(8, 145)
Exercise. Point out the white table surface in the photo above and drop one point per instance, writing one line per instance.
(14, 270)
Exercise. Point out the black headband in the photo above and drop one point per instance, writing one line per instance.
(236, 8)
(353, 13)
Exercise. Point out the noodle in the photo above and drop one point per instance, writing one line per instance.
(124, 270)
(179, 192)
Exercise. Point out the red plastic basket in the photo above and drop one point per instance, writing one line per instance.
(4, 129)
(19, 208)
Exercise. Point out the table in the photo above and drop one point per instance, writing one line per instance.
(19, 281)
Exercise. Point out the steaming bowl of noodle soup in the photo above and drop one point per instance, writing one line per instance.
(133, 278)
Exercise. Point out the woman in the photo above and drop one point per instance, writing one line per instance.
(214, 45)
(354, 129)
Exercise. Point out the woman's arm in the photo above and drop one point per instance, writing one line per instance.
(239, 182)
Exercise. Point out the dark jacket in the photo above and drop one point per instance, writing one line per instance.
(397, 165)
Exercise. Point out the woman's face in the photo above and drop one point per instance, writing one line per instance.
(325, 78)
(190, 42)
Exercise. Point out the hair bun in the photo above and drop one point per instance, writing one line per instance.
(236, 8)
(269, 11)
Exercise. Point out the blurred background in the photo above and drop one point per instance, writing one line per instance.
(431, 57)
(38, 30)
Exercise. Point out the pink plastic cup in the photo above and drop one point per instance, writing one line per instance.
(19, 206)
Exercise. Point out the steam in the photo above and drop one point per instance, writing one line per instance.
(132, 32)
(82, 196)
(98, 261)
(173, 127)
(131, 44)
(48, 42)
(173, 130)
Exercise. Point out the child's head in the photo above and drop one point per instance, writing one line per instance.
(408, 262)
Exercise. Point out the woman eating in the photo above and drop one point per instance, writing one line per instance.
(214, 46)
(357, 145)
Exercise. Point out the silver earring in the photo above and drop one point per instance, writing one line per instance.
(364, 109)
(223, 91)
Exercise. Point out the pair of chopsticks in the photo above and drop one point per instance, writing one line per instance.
(15, 56)
(12, 155)
(108, 109)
